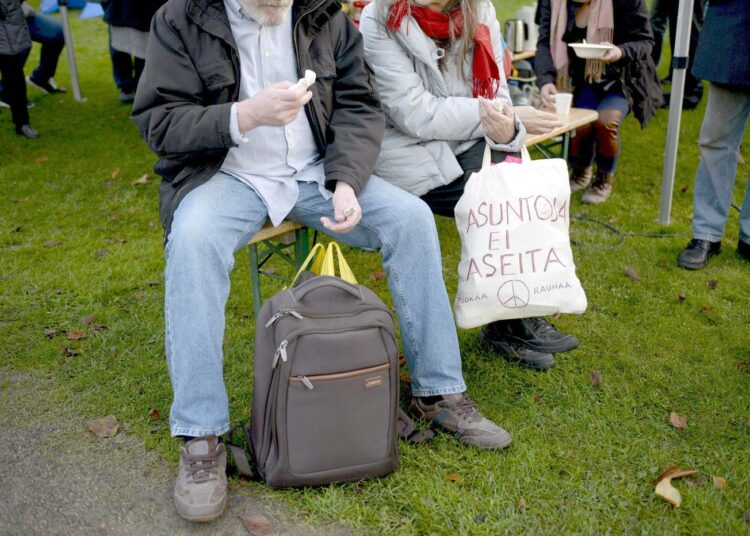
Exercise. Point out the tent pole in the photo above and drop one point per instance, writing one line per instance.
(63, 4)
(679, 66)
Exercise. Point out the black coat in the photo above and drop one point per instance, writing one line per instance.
(131, 13)
(723, 53)
(14, 33)
(192, 77)
(636, 69)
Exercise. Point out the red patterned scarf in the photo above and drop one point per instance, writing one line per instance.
(437, 25)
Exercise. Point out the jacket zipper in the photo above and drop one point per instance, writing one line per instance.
(307, 381)
(318, 130)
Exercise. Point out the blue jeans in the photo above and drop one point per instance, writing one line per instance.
(599, 140)
(47, 31)
(218, 218)
(726, 116)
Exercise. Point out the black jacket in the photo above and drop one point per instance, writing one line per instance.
(14, 33)
(131, 13)
(636, 69)
(722, 55)
(192, 77)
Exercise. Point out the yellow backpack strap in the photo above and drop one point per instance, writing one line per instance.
(345, 272)
(316, 266)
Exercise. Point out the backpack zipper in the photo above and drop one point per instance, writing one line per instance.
(307, 380)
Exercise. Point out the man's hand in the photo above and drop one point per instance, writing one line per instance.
(546, 93)
(612, 55)
(536, 121)
(500, 127)
(346, 210)
(275, 105)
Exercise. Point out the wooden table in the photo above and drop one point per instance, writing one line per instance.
(526, 54)
(578, 117)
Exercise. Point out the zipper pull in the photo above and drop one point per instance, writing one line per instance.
(306, 382)
(281, 314)
(280, 353)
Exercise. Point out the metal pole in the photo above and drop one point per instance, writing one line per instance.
(63, 4)
(679, 65)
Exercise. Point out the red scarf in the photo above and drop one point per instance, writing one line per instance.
(484, 70)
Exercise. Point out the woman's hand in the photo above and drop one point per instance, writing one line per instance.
(548, 90)
(500, 127)
(536, 121)
(613, 54)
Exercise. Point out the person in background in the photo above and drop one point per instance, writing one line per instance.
(439, 67)
(15, 44)
(129, 22)
(47, 31)
(663, 16)
(624, 79)
(726, 29)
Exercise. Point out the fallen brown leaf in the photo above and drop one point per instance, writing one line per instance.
(719, 482)
(632, 274)
(706, 309)
(115, 173)
(681, 297)
(453, 477)
(522, 504)
(677, 420)
(153, 282)
(741, 366)
(143, 179)
(101, 253)
(712, 284)
(99, 327)
(537, 400)
(154, 414)
(746, 516)
(88, 320)
(104, 427)
(257, 525)
(41, 160)
(51, 332)
(665, 490)
(596, 379)
(52, 243)
(152, 340)
(70, 352)
(115, 217)
(377, 275)
(76, 335)
(673, 472)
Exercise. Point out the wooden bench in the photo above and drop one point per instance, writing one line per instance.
(578, 117)
(276, 241)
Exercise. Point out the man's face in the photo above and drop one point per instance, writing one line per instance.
(267, 12)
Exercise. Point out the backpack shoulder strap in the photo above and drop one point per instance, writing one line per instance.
(408, 432)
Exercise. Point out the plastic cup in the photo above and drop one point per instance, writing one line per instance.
(563, 102)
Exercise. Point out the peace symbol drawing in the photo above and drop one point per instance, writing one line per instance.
(513, 294)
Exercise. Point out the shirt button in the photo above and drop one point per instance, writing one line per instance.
(266, 54)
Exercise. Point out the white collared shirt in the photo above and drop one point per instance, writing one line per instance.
(270, 159)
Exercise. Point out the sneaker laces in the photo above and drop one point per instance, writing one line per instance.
(465, 407)
(203, 467)
(540, 325)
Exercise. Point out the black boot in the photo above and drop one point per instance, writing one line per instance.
(695, 256)
(533, 333)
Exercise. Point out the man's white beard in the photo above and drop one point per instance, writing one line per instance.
(266, 12)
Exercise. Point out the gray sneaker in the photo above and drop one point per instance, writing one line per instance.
(200, 492)
(458, 414)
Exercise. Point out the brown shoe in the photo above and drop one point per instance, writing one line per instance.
(200, 493)
(458, 414)
(580, 178)
(600, 189)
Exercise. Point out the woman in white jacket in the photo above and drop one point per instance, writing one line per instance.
(438, 66)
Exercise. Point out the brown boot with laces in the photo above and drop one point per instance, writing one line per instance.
(580, 178)
(200, 493)
(600, 189)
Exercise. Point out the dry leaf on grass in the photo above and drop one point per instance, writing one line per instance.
(674, 472)
(681, 297)
(100, 327)
(712, 284)
(632, 274)
(719, 482)
(453, 477)
(104, 427)
(52, 243)
(115, 173)
(706, 309)
(746, 516)
(51, 332)
(596, 379)
(41, 160)
(69, 352)
(677, 421)
(75, 335)
(522, 504)
(257, 525)
(377, 275)
(154, 414)
(537, 400)
(664, 488)
(143, 179)
(88, 320)
(742, 366)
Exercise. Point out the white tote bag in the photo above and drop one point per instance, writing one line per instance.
(516, 260)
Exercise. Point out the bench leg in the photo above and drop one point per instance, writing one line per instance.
(255, 278)
(301, 246)
(565, 146)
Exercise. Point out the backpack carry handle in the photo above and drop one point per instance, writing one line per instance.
(301, 291)
(323, 263)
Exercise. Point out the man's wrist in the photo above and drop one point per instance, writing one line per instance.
(245, 116)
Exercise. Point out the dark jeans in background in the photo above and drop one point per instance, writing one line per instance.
(126, 69)
(47, 31)
(14, 86)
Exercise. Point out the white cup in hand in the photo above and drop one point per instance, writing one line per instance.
(563, 102)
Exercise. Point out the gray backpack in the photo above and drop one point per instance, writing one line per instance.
(325, 395)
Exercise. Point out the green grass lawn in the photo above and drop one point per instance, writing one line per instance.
(78, 239)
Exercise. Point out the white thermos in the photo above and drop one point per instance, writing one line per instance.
(526, 14)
